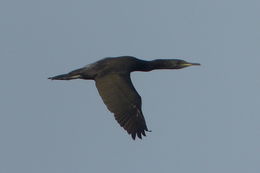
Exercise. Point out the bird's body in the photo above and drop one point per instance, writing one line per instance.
(112, 78)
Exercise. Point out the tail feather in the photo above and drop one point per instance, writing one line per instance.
(75, 74)
(65, 77)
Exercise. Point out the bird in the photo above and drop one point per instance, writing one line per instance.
(114, 85)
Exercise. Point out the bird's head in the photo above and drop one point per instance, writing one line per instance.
(182, 64)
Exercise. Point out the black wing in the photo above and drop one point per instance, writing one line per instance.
(121, 98)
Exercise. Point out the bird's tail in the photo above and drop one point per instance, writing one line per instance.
(76, 74)
(65, 77)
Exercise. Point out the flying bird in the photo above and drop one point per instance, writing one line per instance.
(112, 79)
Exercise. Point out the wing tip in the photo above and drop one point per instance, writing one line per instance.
(139, 134)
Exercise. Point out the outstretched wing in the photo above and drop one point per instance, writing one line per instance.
(121, 98)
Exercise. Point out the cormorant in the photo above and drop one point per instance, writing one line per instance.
(112, 78)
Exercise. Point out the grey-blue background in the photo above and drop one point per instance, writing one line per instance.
(203, 119)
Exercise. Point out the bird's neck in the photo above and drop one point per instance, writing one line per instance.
(157, 64)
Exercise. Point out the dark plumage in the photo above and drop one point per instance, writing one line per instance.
(112, 77)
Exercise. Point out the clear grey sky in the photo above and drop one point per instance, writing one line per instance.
(203, 119)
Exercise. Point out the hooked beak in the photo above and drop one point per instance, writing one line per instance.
(189, 64)
(195, 63)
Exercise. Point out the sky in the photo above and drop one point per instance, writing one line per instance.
(203, 119)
